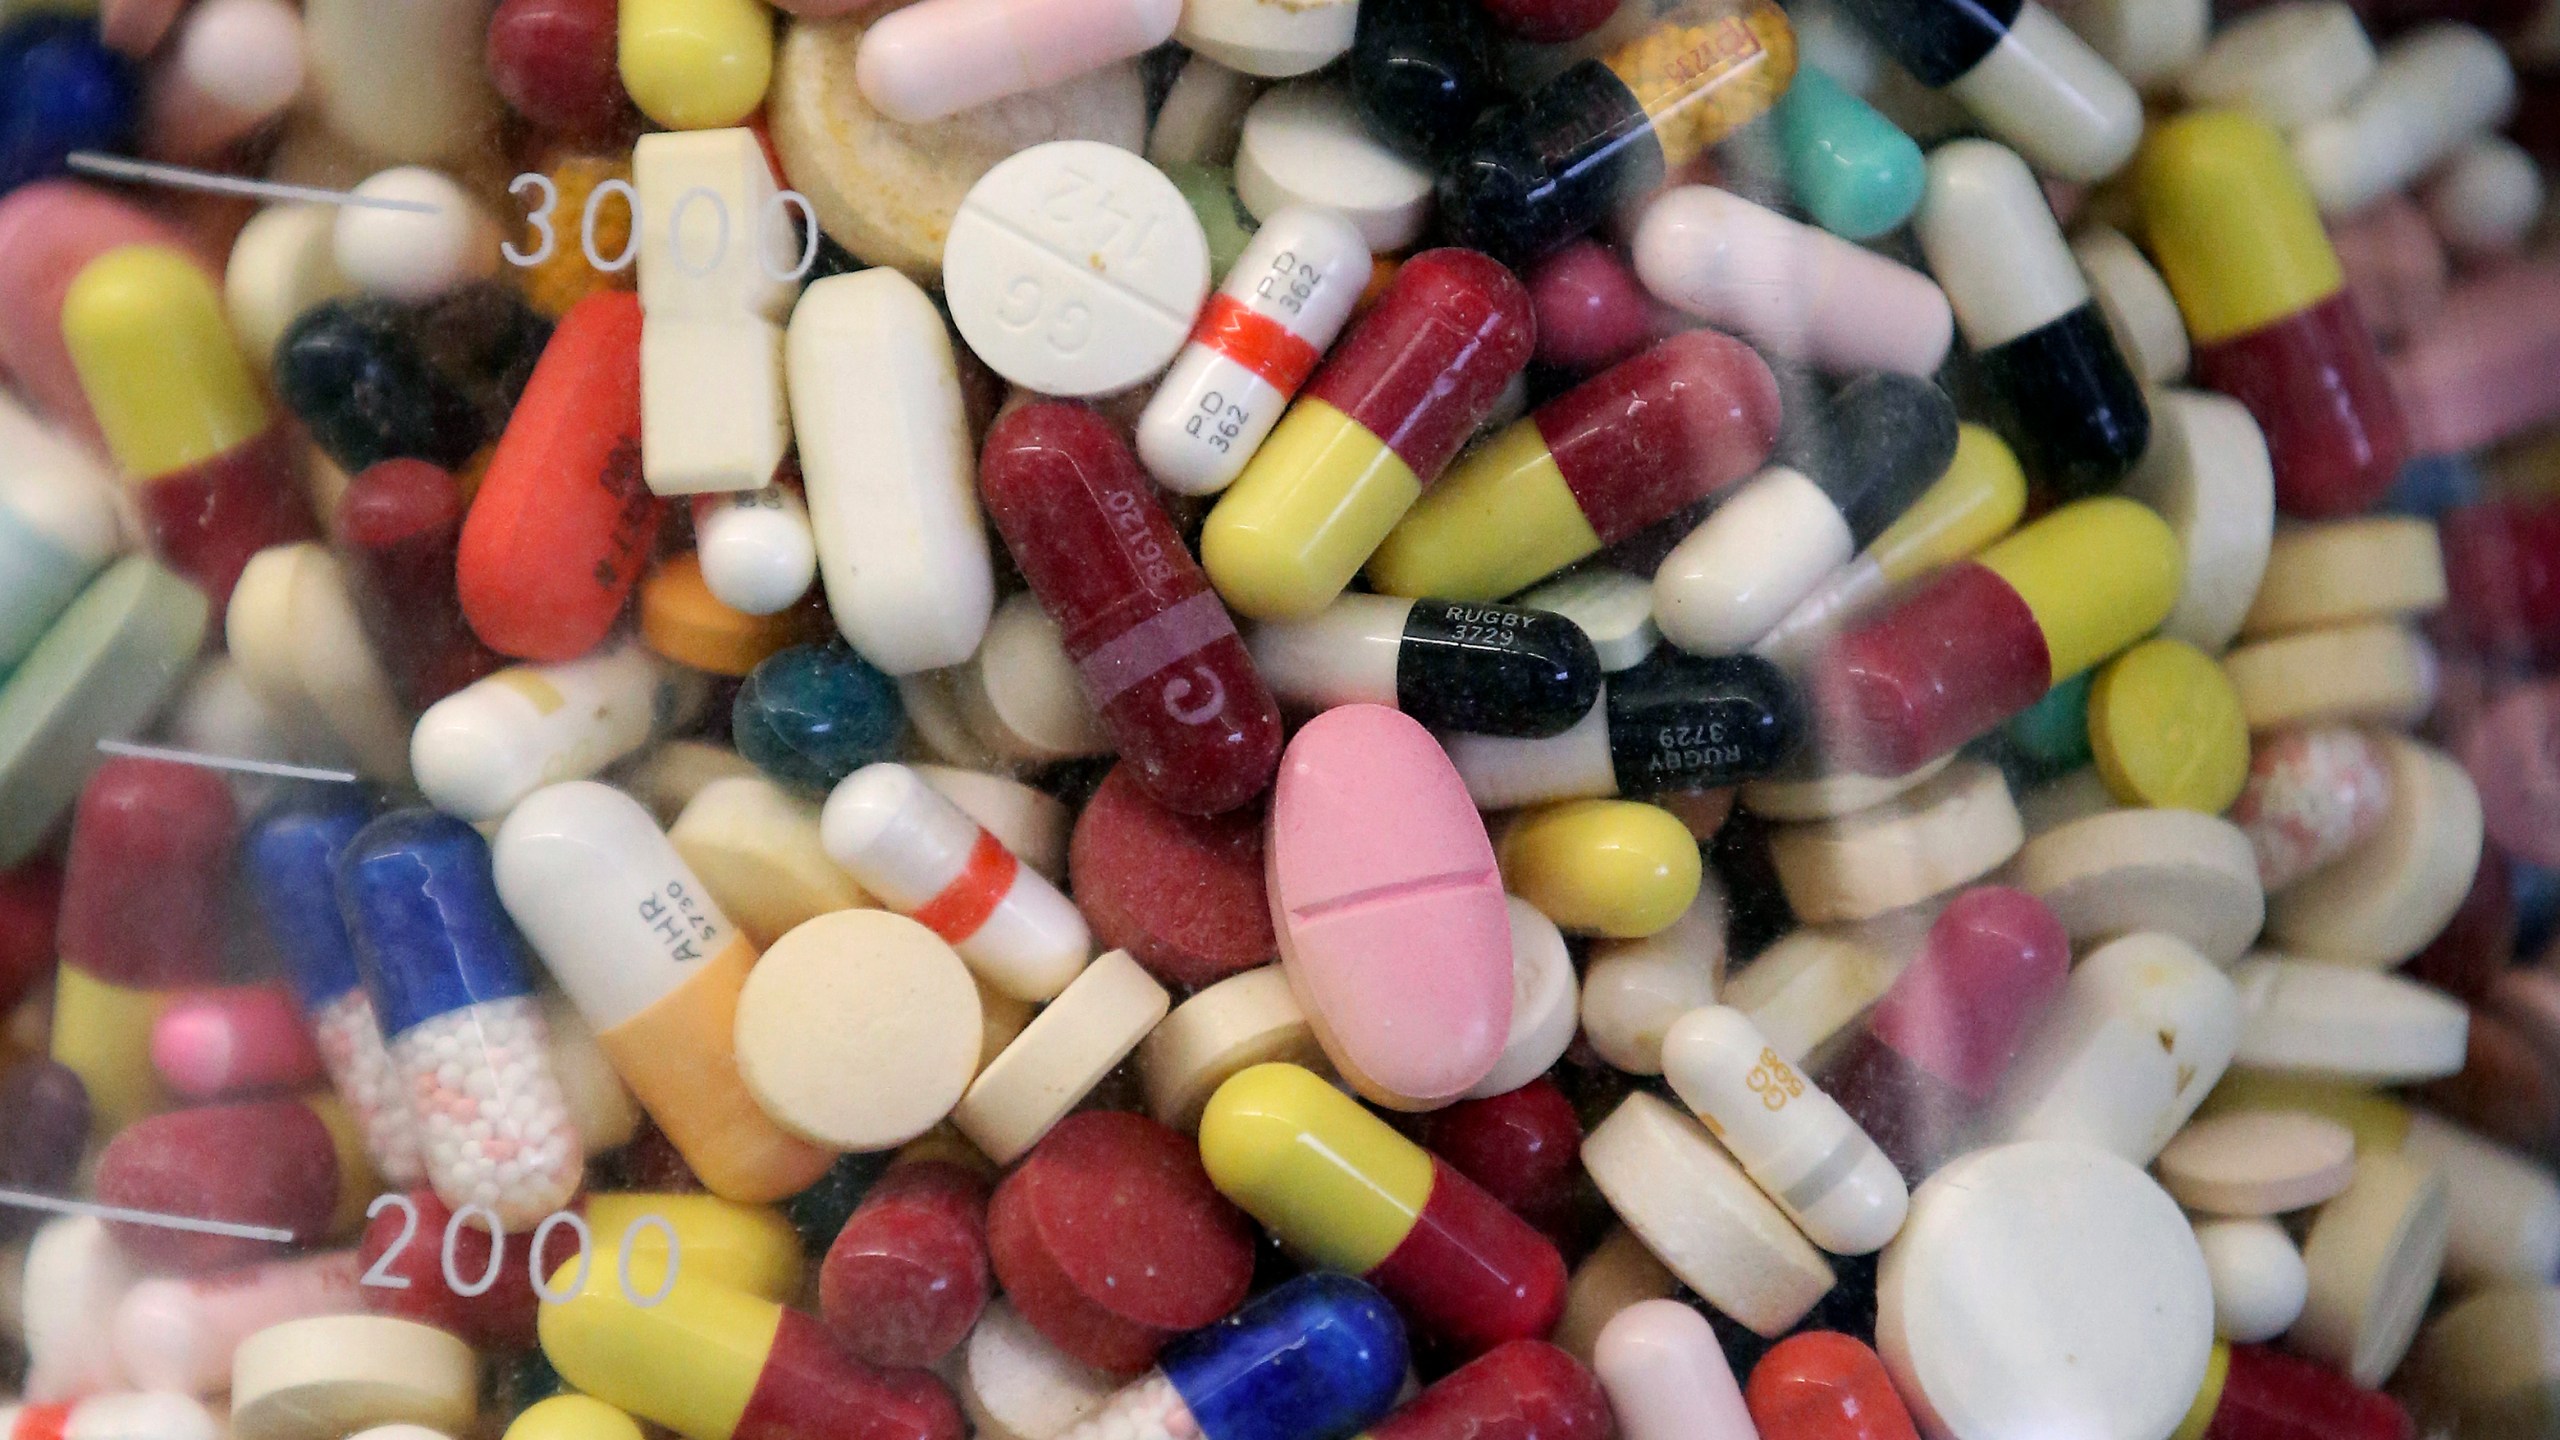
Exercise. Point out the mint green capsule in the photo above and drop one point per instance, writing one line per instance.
(1211, 189)
(1853, 170)
(2051, 737)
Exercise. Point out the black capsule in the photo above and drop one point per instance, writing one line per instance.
(1693, 722)
(1421, 72)
(1938, 41)
(1536, 173)
(1878, 442)
(354, 372)
(1494, 669)
(2071, 404)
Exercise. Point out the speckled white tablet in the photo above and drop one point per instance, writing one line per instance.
(1304, 145)
(2044, 1289)
(1075, 268)
(1060, 1056)
(327, 1377)
(2381, 902)
(2258, 1162)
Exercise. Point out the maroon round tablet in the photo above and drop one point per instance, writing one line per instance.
(2513, 754)
(1182, 894)
(1110, 1240)
(907, 1276)
(1523, 1146)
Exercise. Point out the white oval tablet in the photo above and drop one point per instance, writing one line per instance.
(2258, 1162)
(1613, 607)
(2291, 63)
(1075, 268)
(1633, 989)
(1807, 989)
(2044, 1289)
(2174, 871)
(1304, 145)
(2344, 1023)
(1543, 1002)
(2374, 1254)
(2259, 1283)
(1276, 38)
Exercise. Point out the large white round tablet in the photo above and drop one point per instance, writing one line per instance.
(1075, 268)
(2044, 1289)
(1304, 145)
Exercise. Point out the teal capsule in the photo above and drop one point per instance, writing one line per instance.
(2051, 737)
(1853, 170)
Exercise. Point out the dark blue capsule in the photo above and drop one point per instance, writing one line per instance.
(61, 90)
(1318, 1358)
(421, 904)
(813, 714)
(291, 854)
(355, 373)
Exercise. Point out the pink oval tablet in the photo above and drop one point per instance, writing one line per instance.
(1391, 920)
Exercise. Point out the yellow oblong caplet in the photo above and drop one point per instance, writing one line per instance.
(1334, 1182)
(573, 1417)
(690, 1362)
(1311, 506)
(721, 1242)
(157, 360)
(2233, 227)
(1499, 522)
(1619, 868)
(2098, 574)
(1977, 501)
(695, 64)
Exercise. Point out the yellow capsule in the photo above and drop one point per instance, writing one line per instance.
(695, 64)
(2230, 222)
(1977, 501)
(1332, 1181)
(1502, 519)
(2380, 1123)
(683, 621)
(743, 1247)
(1619, 868)
(102, 1033)
(1312, 504)
(690, 1362)
(157, 360)
(2217, 1370)
(358, 1182)
(573, 1417)
(2166, 729)
(2097, 574)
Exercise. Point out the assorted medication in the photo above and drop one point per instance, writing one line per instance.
(1323, 720)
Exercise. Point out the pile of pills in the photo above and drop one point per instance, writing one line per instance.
(1279, 720)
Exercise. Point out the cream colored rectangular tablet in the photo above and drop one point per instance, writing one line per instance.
(1812, 986)
(2344, 572)
(1952, 830)
(330, 1376)
(2379, 673)
(756, 847)
(1060, 1056)
(2174, 871)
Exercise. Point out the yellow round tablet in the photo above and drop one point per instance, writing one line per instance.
(2166, 728)
(573, 1417)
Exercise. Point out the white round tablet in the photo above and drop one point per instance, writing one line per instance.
(1544, 1007)
(2044, 1289)
(1304, 145)
(2258, 1280)
(423, 237)
(1075, 268)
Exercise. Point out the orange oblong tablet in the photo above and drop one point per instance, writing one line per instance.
(1392, 925)
(1823, 1385)
(562, 523)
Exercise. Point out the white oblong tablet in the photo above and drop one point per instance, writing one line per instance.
(859, 1030)
(2374, 1254)
(2308, 1017)
(1275, 38)
(2140, 312)
(1304, 145)
(2145, 1027)
(2174, 871)
(1951, 830)
(2383, 901)
(2258, 1162)
(1544, 1011)
(1075, 268)
(2207, 473)
(1807, 989)
(2259, 1282)
(2044, 1289)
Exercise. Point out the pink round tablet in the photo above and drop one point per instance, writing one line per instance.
(1183, 894)
(1392, 925)
(2513, 755)
(219, 1043)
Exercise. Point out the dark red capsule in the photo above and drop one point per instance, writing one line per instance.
(554, 63)
(397, 527)
(1523, 1146)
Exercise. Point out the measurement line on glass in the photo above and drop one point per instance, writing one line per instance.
(146, 172)
(28, 1200)
(226, 762)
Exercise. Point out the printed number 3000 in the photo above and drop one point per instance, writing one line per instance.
(380, 1276)
(775, 212)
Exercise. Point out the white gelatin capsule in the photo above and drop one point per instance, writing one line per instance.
(57, 526)
(1265, 329)
(479, 750)
(941, 57)
(2485, 199)
(713, 292)
(2436, 89)
(757, 552)
(1793, 1140)
(926, 859)
(412, 254)
(2043, 91)
(890, 472)
(148, 1415)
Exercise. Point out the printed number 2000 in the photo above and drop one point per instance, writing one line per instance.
(380, 1276)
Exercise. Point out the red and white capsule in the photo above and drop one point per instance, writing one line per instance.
(923, 857)
(1257, 339)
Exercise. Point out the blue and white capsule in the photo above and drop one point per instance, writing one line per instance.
(1318, 1358)
(447, 974)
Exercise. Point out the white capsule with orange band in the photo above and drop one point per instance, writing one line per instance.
(1256, 341)
(921, 856)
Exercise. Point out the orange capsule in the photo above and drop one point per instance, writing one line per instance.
(1823, 1385)
(562, 524)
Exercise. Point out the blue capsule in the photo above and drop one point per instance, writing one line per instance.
(61, 89)
(813, 714)
(1318, 1358)
(291, 854)
(421, 904)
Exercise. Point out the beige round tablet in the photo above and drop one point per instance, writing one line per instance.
(1830, 796)
(1060, 1056)
(756, 847)
(2383, 901)
(2174, 871)
(1031, 823)
(1809, 988)
(1951, 830)
(859, 1030)
(932, 706)
(2380, 673)
(330, 1376)
(2342, 572)
(2207, 472)
(2141, 314)
(2258, 1162)
(671, 774)
(888, 192)
(1620, 1272)
(1015, 1385)
(1233, 1025)
(2310, 1017)
(2492, 1362)
(1020, 693)
(1633, 989)
(2373, 1254)
(1678, 1190)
